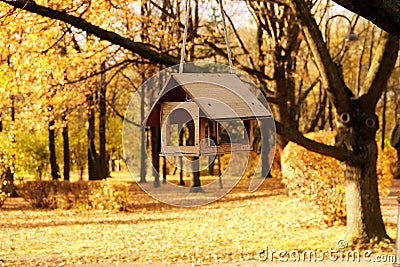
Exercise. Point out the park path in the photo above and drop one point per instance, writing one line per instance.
(389, 211)
(389, 203)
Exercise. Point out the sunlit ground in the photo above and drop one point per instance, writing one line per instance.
(235, 228)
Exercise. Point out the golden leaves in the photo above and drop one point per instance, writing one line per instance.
(320, 179)
(233, 229)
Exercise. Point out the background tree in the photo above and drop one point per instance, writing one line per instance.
(356, 144)
(358, 124)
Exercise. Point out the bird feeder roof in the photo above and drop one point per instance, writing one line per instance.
(221, 96)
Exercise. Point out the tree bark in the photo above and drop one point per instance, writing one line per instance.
(155, 153)
(103, 166)
(52, 149)
(9, 174)
(65, 136)
(266, 147)
(364, 218)
(143, 154)
(196, 185)
(181, 138)
(93, 157)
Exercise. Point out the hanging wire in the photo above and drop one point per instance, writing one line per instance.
(228, 48)
(184, 37)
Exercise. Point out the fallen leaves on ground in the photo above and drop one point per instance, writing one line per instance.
(235, 228)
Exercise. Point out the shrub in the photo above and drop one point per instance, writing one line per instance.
(319, 179)
(102, 195)
(109, 196)
(40, 194)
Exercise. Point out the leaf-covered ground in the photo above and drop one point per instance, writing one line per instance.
(232, 229)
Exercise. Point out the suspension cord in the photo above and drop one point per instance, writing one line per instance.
(228, 48)
(184, 37)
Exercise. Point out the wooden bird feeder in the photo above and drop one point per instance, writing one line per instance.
(202, 102)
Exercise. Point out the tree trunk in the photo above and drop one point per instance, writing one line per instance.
(181, 137)
(52, 149)
(93, 157)
(266, 147)
(143, 154)
(103, 166)
(8, 174)
(66, 152)
(164, 168)
(155, 153)
(196, 186)
(364, 217)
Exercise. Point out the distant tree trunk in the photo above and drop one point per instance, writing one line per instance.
(181, 137)
(93, 157)
(196, 183)
(384, 119)
(155, 153)
(364, 218)
(196, 186)
(164, 167)
(142, 142)
(65, 136)
(281, 29)
(52, 149)
(284, 67)
(9, 174)
(266, 148)
(211, 165)
(103, 166)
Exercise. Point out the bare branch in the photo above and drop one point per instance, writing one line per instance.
(330, 75)
(381, 68)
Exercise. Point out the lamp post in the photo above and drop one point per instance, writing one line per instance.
(350, 37)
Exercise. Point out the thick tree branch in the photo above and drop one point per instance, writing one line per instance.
(136, 47)
(385, 57)
(330, 75)
(295, 136)
(384, 13)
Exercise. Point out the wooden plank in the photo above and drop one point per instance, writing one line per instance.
(179, 150)
(224, 149)
(210, 90)
(167, 108)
